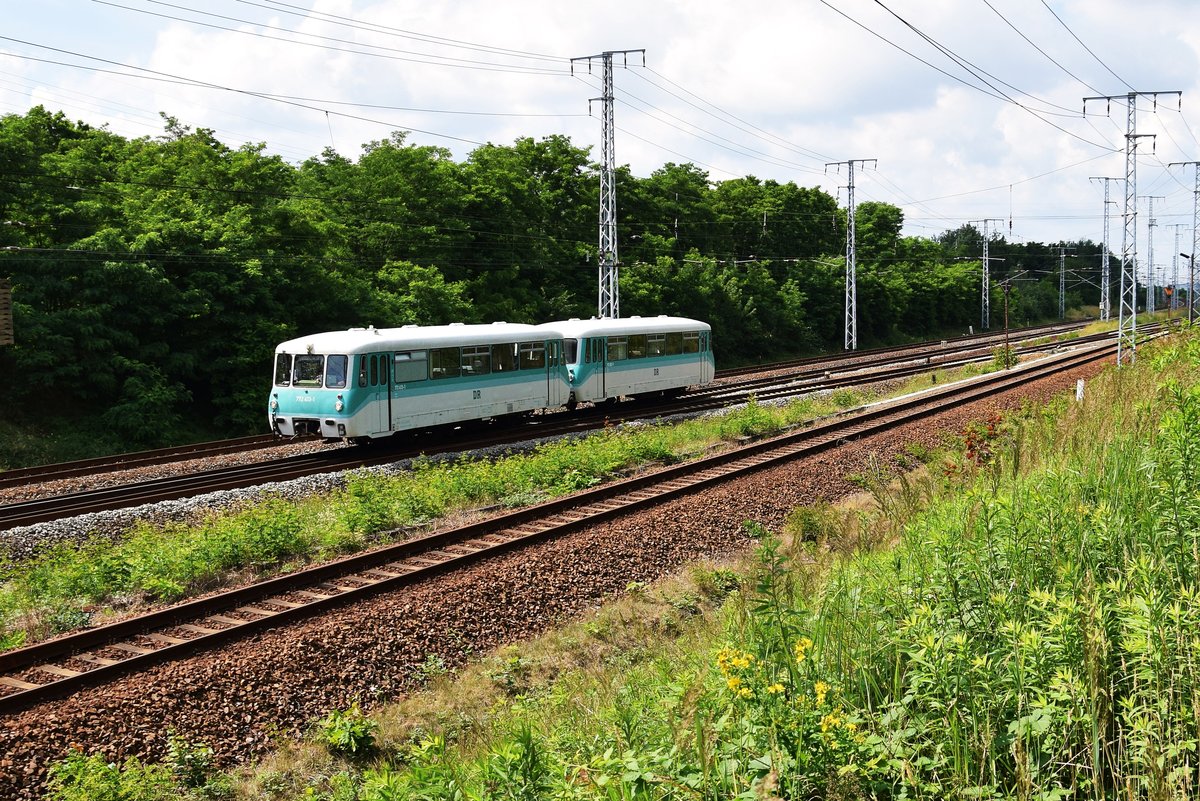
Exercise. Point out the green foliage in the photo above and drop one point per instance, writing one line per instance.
(93, 778)
(191, 765)
(511, 673)
(1003, 357)
(153, 276)
(349, 733)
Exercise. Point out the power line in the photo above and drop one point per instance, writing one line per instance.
(1085, 47)
(1040, 50)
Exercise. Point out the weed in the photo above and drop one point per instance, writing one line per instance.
(511, 674)
(94, 778)
(433, 667)
(717, 582)
(347, 733)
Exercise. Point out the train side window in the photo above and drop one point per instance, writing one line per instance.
(691, 342)
(504, 357)
(362, 370)
(283, 369)
(444, 363)
(335, 371)
(674, 344)
(706, 341)
(618, 348)
(572, 350)
(477, 360)
(656, 344)
(374, 366)
(533, 355)
(410, 366)
(637, 346)
(307, 370)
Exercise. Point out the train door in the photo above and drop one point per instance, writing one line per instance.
(599, 349)
(375, 376)
(556, 385)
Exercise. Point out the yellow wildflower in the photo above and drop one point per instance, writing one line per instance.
(775, 688)
(830, 721)
(820, 688)
(801, 649)
(745, 693)
(734, 682)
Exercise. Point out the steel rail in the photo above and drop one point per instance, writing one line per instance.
(101, 654)
(81, 467)
(711, 397)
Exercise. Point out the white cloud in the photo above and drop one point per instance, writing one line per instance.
(824, 88)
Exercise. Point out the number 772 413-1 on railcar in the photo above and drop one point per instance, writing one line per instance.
(371, 382)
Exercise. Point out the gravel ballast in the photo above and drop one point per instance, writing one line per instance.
(238, 698)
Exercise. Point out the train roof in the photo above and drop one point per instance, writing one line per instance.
(624, 326)
(368, 340)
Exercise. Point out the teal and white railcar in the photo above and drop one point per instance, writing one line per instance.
(630, 356)
(366, 383)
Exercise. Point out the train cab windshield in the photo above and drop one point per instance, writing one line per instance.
(571, 348)
(311, 370)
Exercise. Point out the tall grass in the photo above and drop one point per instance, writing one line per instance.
(1020, 620)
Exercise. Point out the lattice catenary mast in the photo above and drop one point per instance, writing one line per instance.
(1105, 278)
(1195, 165)
(1062, 281)
(1151, 225)
(985, 299)
(1127, 319)
(851, 340)
(610, 301)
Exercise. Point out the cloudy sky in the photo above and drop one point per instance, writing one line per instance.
(973, 109)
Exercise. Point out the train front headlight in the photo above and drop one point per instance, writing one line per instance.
(275, 403)
(571, 376)
(338, 405)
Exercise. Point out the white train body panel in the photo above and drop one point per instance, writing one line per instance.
(635, 355)
(371, 382)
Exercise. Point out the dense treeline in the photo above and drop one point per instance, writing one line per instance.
(152, 277)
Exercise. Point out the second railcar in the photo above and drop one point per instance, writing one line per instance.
(630, 356)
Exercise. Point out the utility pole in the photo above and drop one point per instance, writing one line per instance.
(610, 301)
(1105, 279)
(1062, 282)
(1151, 298)
(1195, 165)
(1127, 318)
(851, 340)
(985, 322)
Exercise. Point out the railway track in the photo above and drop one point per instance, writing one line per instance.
(93, 657)
(125, 461)
(805, 380)
(953, 345)
(44, 473)
(713, 397)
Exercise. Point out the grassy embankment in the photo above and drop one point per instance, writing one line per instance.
(73, 585)
(1019, 621)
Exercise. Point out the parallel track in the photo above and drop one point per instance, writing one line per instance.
(93, 657)
(43, 473)
(806, 380)
(125, 461)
